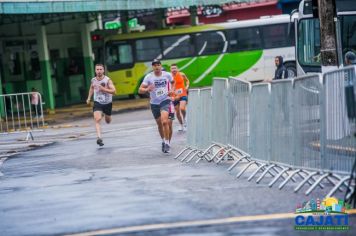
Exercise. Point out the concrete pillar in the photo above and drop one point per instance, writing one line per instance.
(161, 18)
(87, 53)
(123, 19)
(193, 15)
(48, 95)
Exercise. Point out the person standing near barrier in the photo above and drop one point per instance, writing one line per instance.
(156, 83)
(103, 89)
(181, 96)
(281, 71)
(36, 103)
(350, 90)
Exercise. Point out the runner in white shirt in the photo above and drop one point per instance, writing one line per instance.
(103, 90)
(156, 84)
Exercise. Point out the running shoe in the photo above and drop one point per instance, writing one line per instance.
(167, 148)
(99, 141)
(163, 146)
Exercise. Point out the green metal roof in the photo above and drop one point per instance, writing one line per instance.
(67, 6)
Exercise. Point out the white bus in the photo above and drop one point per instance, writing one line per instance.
(308, 35)
(244, 49)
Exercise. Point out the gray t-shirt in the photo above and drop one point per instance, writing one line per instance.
(100, 96)
(160, 92)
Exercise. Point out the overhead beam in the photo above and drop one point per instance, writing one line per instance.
(57, 6)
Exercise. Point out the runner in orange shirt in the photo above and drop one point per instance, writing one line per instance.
(181, 98)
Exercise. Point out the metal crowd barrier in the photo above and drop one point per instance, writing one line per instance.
(18, 114)
(301, 129)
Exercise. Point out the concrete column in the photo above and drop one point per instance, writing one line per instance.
(193, 15)
(87, 54)
(161, 18)
(124, 18)
(45, 68)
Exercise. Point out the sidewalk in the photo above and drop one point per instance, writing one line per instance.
(15, 143)
(72, 113)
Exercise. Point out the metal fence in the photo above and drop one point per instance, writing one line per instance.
(21, 112)
(302, 128)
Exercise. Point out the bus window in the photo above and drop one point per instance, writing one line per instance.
(147, 49)
(276, 36)
(348, 29)
(177, 46)
(309, 42)
(244, 39)
(125, 54)
(118, 55)
(210, 42)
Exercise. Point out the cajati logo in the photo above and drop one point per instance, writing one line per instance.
(327, 214)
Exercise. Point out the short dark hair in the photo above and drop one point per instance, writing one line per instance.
(156, 61)
(99, 64)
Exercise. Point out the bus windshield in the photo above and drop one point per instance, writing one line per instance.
(309, 42)
(308, 47)
(348, 36)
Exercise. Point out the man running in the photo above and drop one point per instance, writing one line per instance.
(156, 83)
(103, 89)
(181, 96)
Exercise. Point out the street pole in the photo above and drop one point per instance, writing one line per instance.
(328, 50)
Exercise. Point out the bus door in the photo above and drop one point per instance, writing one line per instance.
(119, 62)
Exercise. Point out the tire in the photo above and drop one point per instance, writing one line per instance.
(292, 70)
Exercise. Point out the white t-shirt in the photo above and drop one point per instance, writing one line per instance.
(160, 92)
(100, 96)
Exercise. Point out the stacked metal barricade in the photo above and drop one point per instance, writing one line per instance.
(301, 130)
(19, 114)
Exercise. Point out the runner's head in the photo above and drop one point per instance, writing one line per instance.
(99, 70)
(174, 69)
(156, 66)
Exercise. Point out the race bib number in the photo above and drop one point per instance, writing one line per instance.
(161, 92)
(100, 98)
(179, 91)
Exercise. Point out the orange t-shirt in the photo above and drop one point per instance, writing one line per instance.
(179, 84)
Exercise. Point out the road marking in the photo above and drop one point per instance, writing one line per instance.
(131, 229)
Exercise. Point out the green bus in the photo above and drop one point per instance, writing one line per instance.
(243, 49)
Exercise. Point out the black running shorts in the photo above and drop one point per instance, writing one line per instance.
(104, 108)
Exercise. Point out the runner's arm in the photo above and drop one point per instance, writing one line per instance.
(111, 89)
(186, 80)
(90, 93)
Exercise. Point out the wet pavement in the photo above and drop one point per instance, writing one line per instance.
(73, 186)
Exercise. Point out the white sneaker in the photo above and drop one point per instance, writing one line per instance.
(181, 128)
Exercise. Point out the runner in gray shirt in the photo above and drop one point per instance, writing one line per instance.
(156, 83)
(103, 90)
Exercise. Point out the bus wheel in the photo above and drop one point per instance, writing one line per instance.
(292, 70)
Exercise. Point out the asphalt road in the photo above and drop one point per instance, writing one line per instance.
(130, 187)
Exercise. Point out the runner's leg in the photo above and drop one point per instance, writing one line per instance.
(97, 119)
